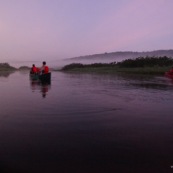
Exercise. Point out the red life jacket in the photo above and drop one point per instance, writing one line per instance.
(38, 70)
(34, 70)
(171, 71)
(46, 69)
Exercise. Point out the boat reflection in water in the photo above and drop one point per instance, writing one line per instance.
(41, 85)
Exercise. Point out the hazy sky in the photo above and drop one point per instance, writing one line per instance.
(56, 29)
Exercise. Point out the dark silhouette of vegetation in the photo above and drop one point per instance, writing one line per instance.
(141, 65)
(146, 62)
(129, 63)
(6, 67)
(72, 66)
(95, 65)
(24, 68)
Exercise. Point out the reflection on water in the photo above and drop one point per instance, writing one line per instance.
(39, 86)
(159, 83)
(88, 123)
(6, 73)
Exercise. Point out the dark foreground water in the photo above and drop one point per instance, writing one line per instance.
(86, 123)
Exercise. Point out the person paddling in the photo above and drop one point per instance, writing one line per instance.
(33, 69)
(44, 68)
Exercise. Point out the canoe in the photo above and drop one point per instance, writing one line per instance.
(169, 75)
(34, 76)
(44, 78)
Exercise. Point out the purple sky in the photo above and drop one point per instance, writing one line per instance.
(57, 29)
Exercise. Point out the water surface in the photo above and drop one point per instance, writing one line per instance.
(86, 123)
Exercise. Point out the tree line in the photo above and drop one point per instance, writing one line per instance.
(147, 62)
(128, 63)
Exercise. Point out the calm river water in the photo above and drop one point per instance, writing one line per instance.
(86, 123)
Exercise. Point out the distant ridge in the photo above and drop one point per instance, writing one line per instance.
(119, 56)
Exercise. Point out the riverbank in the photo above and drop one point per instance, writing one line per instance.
(141, 65)
(156, 70)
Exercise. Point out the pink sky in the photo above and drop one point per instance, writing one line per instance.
(57, 29)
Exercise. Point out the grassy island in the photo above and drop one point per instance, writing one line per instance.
(141, 65)
(6, 67)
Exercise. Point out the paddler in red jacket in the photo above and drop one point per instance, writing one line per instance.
(44, 68)
(171, 71)
(33, 69)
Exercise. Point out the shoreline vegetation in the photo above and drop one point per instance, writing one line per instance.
(140, 65)
(7, 67)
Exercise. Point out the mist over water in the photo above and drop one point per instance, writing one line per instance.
(56, 63)
(86, 123)
(52, 63)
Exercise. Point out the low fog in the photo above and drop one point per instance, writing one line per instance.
(90, 59)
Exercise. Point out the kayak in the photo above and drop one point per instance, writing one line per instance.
(44, 78)
(169, 75)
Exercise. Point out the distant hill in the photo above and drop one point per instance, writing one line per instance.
(117, 56)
